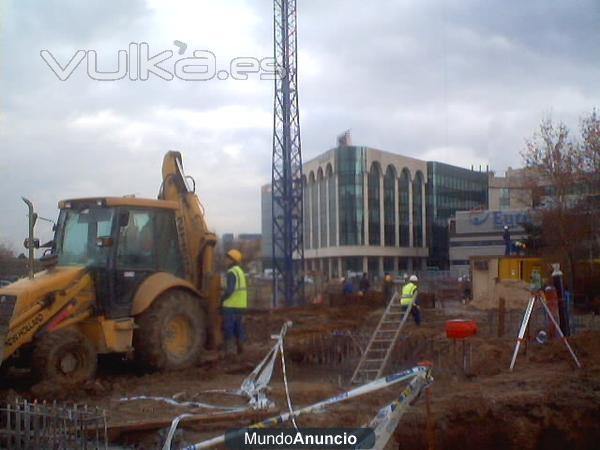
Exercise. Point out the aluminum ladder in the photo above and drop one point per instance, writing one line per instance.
(382, 342)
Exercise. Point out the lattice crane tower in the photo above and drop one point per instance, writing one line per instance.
(288, 246)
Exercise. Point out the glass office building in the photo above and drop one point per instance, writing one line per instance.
(364, 211)
(450, 189)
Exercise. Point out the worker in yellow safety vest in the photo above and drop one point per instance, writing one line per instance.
(409, 297)
(235, 302)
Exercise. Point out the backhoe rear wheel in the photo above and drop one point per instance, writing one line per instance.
(171, 334)
(64, 357)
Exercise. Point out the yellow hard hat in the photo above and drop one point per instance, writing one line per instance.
(235, 255)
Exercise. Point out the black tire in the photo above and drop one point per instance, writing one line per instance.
(65, 357)
(171, 333)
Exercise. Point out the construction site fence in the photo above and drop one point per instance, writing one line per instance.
(317, 290)
(329, 292)
(30, 426)
(338, 351)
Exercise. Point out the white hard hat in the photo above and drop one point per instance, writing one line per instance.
(413, 278)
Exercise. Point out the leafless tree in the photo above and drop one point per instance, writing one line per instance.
(590, 150)
(9, 264)
(559, 168)
(590, 147)
(6, 252)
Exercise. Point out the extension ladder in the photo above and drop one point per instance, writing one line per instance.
(382, 342)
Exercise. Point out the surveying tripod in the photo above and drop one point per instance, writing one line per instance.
(539, 297)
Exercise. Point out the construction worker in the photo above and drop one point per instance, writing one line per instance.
(364, 284)
(409, 297)
(388, 287)
(234, 301)
(506, 239)
(347, 287)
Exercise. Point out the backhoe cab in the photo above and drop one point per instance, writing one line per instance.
(128, 275)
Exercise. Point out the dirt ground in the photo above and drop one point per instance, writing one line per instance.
(544, 404)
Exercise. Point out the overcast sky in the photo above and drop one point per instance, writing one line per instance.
(458, 81)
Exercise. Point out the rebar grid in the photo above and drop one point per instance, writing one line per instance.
(28, 425)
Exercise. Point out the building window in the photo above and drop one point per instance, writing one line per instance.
(351, 167)
(389, 198)
(403, 186)
(504, 198)
(322, 208)
(388, 264)
(417, 192)
(332, 214)
(352, 263)
(306, 213)
(374, 209)
(373, 267)
(314, 211)
(334, 268)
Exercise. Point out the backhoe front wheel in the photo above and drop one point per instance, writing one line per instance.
(65, 357)
(171, 334)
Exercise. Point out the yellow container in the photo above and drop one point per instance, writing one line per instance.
(509, 269)
(529, 266)
(518, 268)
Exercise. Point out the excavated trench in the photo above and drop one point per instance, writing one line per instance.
(540, 424)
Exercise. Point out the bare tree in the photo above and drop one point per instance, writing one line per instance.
(9, 264)
(590, 148)
(554, 163)
(6, 253)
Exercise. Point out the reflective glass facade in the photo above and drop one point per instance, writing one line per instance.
(332, 207)
(306, 213)
(374, 206)
(398, 193)
(352, 263)
(350, 163)
(450, 189)
(314, 207)
(389, 211)
(361, 212)
(322, 208)
(505, 198)
(417, 192)
(403, 208)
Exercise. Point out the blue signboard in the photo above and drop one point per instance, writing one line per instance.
(490, 221)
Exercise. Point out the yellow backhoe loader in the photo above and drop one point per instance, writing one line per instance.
(123, 275)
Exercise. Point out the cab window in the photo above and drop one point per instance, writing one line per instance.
(79, 230)
(148, 241)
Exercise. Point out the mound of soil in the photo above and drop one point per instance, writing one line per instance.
(516, 294)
